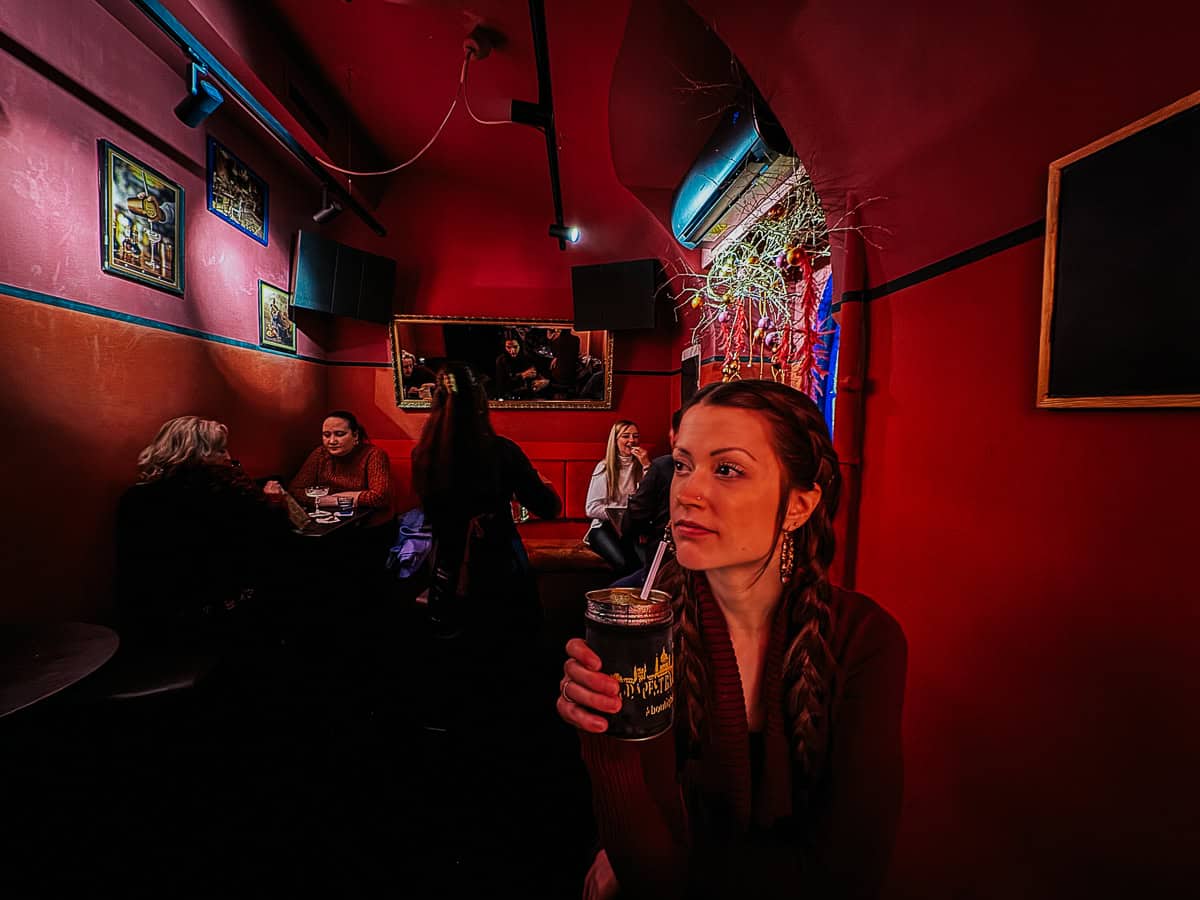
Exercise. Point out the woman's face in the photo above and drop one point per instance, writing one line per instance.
(512, 348)
(627, 439)
(725, 492)
(337, 436)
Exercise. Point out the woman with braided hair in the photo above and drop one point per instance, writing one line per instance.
(781, 775)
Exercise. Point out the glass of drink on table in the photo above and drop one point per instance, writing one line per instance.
(317, 491)
(345, 505)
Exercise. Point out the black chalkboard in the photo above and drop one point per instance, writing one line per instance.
(1121, 296)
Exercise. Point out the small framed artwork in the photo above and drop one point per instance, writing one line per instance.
(276, 327)
(141, 222)
(235, 192)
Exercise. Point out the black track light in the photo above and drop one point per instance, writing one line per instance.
(568, 233)
(202, 100)
(329, 208)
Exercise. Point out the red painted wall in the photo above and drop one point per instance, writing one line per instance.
(462, 251)
(85, 393)
(1040, 562)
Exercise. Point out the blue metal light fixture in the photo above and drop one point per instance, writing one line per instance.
(202, 99)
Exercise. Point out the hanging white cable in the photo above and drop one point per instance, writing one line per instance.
(461, 78)
(467, 99)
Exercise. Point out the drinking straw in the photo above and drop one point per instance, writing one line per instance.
(653, 573)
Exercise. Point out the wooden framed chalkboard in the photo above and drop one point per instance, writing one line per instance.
(1121, 284)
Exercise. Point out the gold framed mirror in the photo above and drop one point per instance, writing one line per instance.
(523, 363)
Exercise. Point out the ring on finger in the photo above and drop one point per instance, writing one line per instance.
(563, 690)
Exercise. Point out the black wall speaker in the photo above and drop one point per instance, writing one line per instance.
(333, 278)
(616, 296)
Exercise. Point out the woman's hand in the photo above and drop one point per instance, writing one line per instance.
(273, 491)
(601, 881)
(585, 691)
(640, 454)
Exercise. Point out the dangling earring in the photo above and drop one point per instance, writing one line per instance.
(787, 558)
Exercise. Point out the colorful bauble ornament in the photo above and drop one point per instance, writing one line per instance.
(794, 256)
(782, 260)
(758, 334)
(697, 302)
(764, 322)
(723, 316)
(772, 339)
(753, 261)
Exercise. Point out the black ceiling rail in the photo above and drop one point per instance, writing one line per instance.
(174, 29)
(541, 114)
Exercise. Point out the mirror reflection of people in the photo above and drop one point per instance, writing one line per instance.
(517, 374)
(614, 480)
(782, 770)
(564, 365)
(349, 465)
(195, 537)
(414, 376)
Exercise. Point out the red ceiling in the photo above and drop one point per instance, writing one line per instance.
(949, 114)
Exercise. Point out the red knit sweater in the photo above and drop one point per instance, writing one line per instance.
(703, 829)
(365, 469)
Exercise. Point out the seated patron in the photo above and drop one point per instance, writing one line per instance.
(414, 376)
(517, 374)
(781, 775)
(350, 466)
(645, 519)
(614, 480)
(195, 537)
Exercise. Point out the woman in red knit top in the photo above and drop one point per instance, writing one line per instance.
(781, 775)
(349, 466)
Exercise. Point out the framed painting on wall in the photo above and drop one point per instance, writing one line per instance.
(1120, 317)
(141, 222)
(236, 193)
(276, 327)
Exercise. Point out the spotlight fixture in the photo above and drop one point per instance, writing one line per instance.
(329, 208)
(568, 233)
(202, 99)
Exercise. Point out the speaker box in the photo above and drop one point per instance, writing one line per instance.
(616, 296)
(332, 278)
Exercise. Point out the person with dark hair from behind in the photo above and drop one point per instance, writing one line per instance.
(195, 538)
(466, 476)
(646, 516)
(782, 773)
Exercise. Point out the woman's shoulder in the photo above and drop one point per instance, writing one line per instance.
(372, 451)
(601, 467)
(863, 627)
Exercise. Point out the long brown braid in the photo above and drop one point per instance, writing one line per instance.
(808, 459)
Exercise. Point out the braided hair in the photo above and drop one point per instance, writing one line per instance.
(807, 460)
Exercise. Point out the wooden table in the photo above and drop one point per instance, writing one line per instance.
(37, 661)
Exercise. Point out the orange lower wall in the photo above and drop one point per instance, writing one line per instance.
(83, 394)
(1042, 563)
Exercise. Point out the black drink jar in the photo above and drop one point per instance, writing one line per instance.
(633, 639)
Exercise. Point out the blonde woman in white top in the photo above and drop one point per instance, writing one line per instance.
(614, 480)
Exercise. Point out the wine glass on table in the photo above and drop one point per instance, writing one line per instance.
(316, 491)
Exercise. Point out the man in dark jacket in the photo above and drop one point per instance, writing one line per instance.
(648, 511)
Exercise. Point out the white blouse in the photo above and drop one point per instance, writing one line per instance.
(598, 506)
